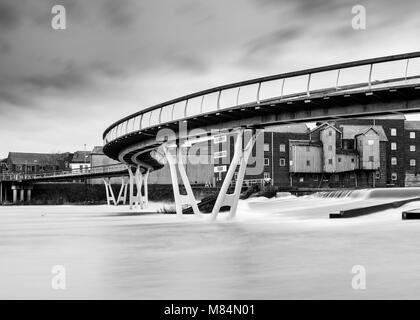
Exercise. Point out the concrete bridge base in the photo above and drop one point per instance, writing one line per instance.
(18, 192)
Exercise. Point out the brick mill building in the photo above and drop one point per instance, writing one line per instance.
(344, 153)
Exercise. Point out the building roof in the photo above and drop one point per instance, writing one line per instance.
(412, 125)
(310, 143)
(350, 131)
(97, 150)
(328, 124)
(81, 157)
(289, 128)
(35, 158)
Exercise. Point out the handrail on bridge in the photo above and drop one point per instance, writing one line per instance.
(165, 112)
(18, 176)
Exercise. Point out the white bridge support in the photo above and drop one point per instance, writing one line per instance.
(139, 179)
(174, 156)
(122, 195)
(240, 158)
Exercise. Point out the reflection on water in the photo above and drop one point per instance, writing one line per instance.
(275, 249)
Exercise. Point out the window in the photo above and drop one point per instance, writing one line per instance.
(412, 162)
(412, 147)
(412, 135)
(394, 176)
(393, 146)
(329, 161)
(220, 154)
(329, 148)
(330, 133)
(371, 142)
(308, 163)
(266, 147)
(282, 147)
(219, 139)
(266, 161)
(339, 159)
(282, 162)
(394, 161)
(266, 175)
(352, 160)
(371, 158)
(393, 132)
(219, 169)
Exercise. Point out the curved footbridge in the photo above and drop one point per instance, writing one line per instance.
(147, 139)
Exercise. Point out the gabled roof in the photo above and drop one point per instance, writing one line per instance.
(81, 157)
(321, 126)
(35, 158)
(351, 131)
(364, 132)
(97, 150)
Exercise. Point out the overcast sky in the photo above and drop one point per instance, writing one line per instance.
(59, 89)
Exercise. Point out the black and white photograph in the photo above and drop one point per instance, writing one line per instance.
(191, 150)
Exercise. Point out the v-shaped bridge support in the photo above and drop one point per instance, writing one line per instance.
(175, 161)
(139, 179)
(122, 195)
(174, 157)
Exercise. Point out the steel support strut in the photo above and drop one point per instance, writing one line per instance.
(122, 195)
(110, 197)
(240, 157)
(174, 157)
(138, 179)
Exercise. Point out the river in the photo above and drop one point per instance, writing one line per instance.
(284, 248)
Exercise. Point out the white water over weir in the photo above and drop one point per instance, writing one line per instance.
(334, 194)
(378, 193)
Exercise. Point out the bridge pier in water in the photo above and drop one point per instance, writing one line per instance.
(18, 193)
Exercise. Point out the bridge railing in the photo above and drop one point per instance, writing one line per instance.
(363, 74)
(78, 172)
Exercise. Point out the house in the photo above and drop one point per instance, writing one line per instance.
(81, 160)
(346, 156)
(33, 163)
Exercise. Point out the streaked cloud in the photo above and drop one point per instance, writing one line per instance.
(116, 57)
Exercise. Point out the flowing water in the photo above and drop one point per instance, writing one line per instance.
(281, 248)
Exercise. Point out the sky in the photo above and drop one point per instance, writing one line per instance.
(60, 89)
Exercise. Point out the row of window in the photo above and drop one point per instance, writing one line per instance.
(282, 147)
(370, 143)
(394, 162)
(394, 133)
(394, 147)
